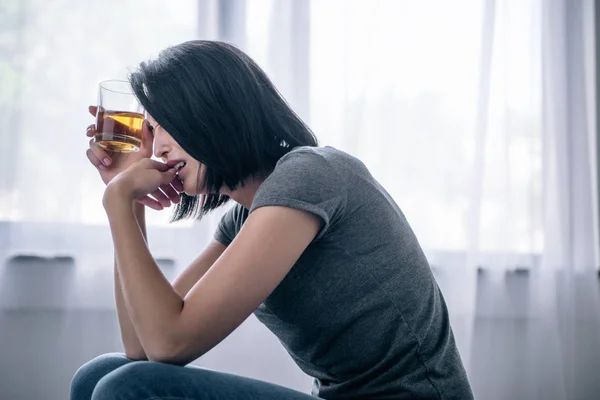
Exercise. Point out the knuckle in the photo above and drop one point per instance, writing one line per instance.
(92, 158)
(98, 150)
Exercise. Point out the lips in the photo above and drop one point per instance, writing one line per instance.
(177, 164)
(179, 175)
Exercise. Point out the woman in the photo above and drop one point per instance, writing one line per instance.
(314, 247)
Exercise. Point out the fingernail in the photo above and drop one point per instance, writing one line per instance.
(106, 161)
(102, 167)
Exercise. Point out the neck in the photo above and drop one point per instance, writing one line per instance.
(244, 195)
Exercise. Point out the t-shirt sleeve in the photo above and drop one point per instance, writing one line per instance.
(227, 227)
(305, 180)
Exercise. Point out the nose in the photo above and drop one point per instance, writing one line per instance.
(162, 145)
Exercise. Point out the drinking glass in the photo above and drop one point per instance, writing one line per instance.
(119, 117)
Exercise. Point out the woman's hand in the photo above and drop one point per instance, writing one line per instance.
(145, 177)
(110, 164)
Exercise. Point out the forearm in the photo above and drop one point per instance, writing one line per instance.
(151, 302)
(131, 342)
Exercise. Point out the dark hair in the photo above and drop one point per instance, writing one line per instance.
(223, 110)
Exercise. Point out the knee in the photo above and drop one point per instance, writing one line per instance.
(89, 374)
(133, 381)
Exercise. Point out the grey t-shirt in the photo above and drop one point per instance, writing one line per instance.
(360, 311)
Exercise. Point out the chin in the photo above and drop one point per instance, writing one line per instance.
(191, 191)
(190, 187)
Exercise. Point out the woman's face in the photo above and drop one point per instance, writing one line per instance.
(167, 149)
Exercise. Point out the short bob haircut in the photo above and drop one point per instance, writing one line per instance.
(223, 110)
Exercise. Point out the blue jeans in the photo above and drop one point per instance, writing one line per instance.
(116, 377)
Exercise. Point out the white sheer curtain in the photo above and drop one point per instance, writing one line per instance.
(570, 190)
(569, 135)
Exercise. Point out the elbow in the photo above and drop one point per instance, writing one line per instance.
(171, 359)
(134, 351)
(138, 355)
(169, 354)
(176, 348)
(168, 360)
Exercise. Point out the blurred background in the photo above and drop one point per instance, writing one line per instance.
(478, 116)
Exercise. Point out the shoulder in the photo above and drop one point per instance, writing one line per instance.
(315, 165)
(310, 179)
(327, 157)
(304, 170)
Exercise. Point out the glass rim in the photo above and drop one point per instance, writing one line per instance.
(102, 85)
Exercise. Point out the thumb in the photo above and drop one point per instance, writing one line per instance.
(147, 137)
(168, 176)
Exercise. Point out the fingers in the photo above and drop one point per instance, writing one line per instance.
(146, 133)
(90, 130)
(177, 184)
(147, 139)
(169, 176)
(149, 202)
(171, 193)
(94, 160)
(94, 110)
(170, 183)
(161, 198)
(101, 155)
(157, 165)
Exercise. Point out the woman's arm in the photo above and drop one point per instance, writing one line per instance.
(192, 274)
(177, 329)
(184, 282)
(131, 343)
